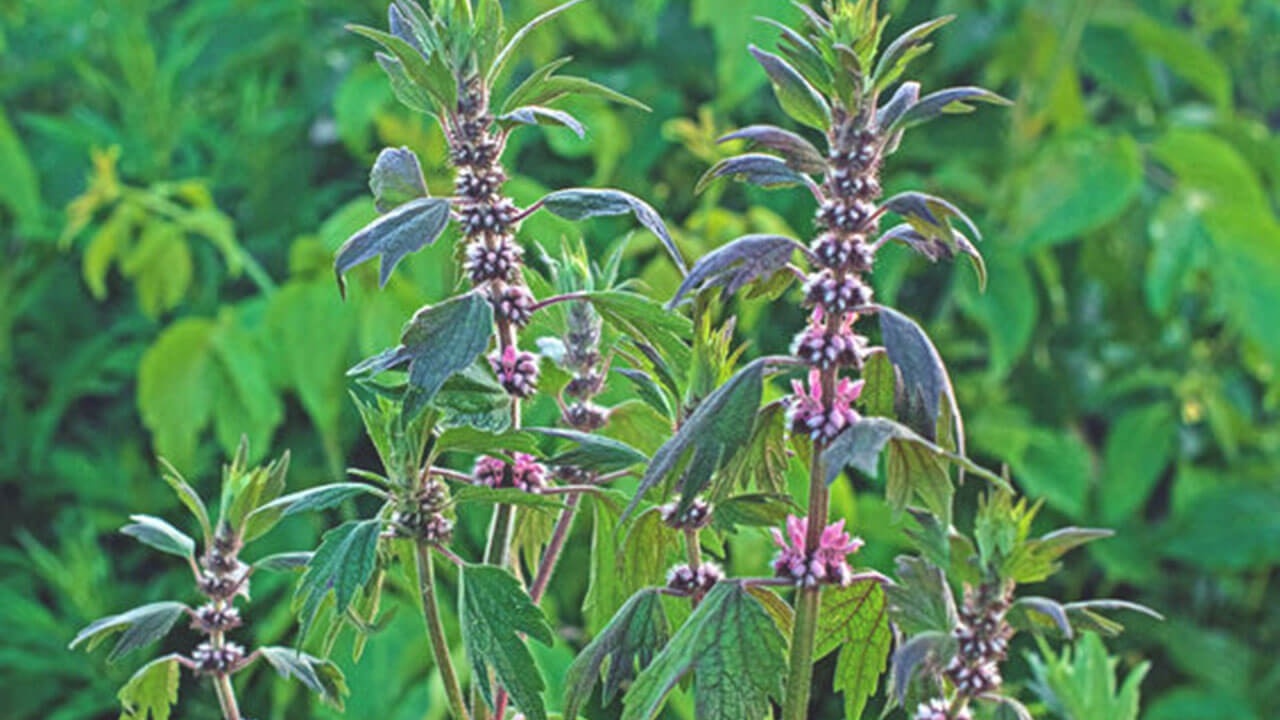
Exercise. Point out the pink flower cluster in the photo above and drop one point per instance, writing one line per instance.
(822, 347)
(807, 414)
(527, 473)
(827, 564)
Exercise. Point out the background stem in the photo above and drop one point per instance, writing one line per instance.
(435, 629)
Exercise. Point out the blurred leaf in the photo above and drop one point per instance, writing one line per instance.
(494, 611)
(1139, 447)
(1228, 529)
(20, 191)
(1083, 684)
(175, 391)
(1076, 185)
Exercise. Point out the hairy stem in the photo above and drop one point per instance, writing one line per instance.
(552, 555)
(435, 629)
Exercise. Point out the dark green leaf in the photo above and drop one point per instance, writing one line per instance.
(407, 229)
(341, 565)
(141, 626)
(799, 154)
(536, 115)
(738, 263)
(396, 178)
(855, 621)
(428, 73)
(920, 600)
(735, 651)
(532, 86)
(160, 535)
(439, 341)
(796, 96)
(649, 324)
(927, 648)
(582, 203)
(403, 87)
(1045, 607)
(286, 561)
(628, 643)
(762, 462)
(766, 171)
(1140, 445)
(321, 677)
(903, 98)
(915, 468)
(309, 500)
(479, 494)
(951, 100)
(555, 87)
(494, 610)
(924, 375)
(595, 453)
(752, 510)
(152, 691)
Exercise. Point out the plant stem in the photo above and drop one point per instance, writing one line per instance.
(226, 697)
(554, 547)
(435, 629)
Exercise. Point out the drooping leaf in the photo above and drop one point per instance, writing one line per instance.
(140, 626)
(396, 178)
(152, 691)
(880, 385)
(903, 98)
(738, 263)
(538, 115)
(284, 562)
(494, 609)
(533, 86)
(438, 342)
(752, 510)
(855, 621)
(799, 154)
(322, 497)
(950, 100)
(322, 677)
(795, 95)
(406, 229)
(341, 565)
(735, 651)
(628, 644)
(1031, 610)
(924, 375)
(916, 469)
(582, 203)
(159, 534)
(593, 452)
(711, 435)
(766, 171)
(860, 445)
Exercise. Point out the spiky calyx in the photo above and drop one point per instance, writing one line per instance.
(982, 639)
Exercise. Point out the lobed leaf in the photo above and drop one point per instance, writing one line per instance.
(322, 677)
(800, 154)
(855, 621)
(152, 691)
(628, 644)
(736, 264)
(342, 565)
(156, 533)
(140, 626)
(766, 171)
(582, 203)
(407, 229)
(494, 609)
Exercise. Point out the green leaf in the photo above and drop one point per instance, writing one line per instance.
(799, 154)
(175, 395)
(323, 677)
(494, 610)
(925, 382)
(582, 203)
(649, 323)
(284, 562)
(605, 592)
(341, 565)
(905, 48)
(1083, 684)
(628, 644)
(396, 178)
(20, 191)
(187, 496)
(917, 469)
(752, 510)
(759, 169)
(735, 651)
(860, 446)
(797, 97)
(403, 87)
(950, 100)
(555, 87)
(322, 497)
(533, 86)
(737, 264)
(438, 342)
(762, 462)
(430, 74)
(141, 626)
(157, 533)
(537, 115)
(920, 600)
(855, 621)
(160, 266)
(152, 691)
(1036, 559)
(596, 453)
(720, 425)
(494, 72)
(407, 229)
(1140, 445)
(481, 495)
(880, 386)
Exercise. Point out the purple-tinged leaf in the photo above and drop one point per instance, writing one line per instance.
(934, 248)
(926, 648)
(951, 100)
(855, 621)
(582, 203)
(736, 264)
(905, 48)
(1052, 609)
(799, 153)
(797, 97)
(396, 178)
(803, 56)
(924, 375)
(1007, 705)
(907, 94)
(929, 211)
(536, 114)
(141, 626)
(766, 171)
(407, 229)
(859, 446)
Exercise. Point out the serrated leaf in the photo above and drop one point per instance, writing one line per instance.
(396, 178)
(628, 644)
(140, 626)
(407, 229)
(592, 452)
(950, 100)
(1036, 559)
(538, 115)
(341, 565)
(799, 154)
(156, 533)
(152, 691)
(920, 600)
(438, 342)
(494, 609)
(762, 462)
(915, 469)
(720, 425)
(322, 677)
(796, 96)
(736, 654)
(736, 264)
(759, 169)
(855, 621)
(1082, 684)
(583, 203)
(649, 324)
(752, 510)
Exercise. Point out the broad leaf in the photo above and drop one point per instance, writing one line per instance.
(860, 445)
(396, 178)
(628, 643)
(582, 203)
(403, 87)
(140, 626)
(341, 565)
(736, 264)
(752, 510)
(720, 425)
(494, 609)
(920, 600)
(595, 453)
(323, 677)
(925, 382)
(766, 171)
(538, 115)
(407, 229)
(951, 100)
(152, 691)
(799, 154)
(735, 651)
(160, 535)
(855, 621)
(797, 97)
(438, 342)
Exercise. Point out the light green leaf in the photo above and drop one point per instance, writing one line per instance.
(157, 533)
(797, 97)
(1140, 445)
(855, 621)
(152, 691)
(176, 387)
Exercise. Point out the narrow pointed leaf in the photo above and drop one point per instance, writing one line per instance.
(907, 46)
(903, 98)
(188, 496)
(430, 74)
(157, 533)
(533, 85)
(494, 72)
(628, 643)
(593, 452)
(538, 115)
(796, 96)
(582, 203)
(140, 626)
(766, 171)
(407, 229)
(800, 154)
(736, 264)
(403, 87)
(951, 100)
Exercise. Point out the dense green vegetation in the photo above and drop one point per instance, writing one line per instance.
(177, 176)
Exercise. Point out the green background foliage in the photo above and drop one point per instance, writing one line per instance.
(175, 176)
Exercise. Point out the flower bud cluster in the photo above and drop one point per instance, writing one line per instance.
(512, 304)
(221, 579)
(525, 473)
(825, 345)
(982, 639)
(827, 564)
(424, 517)
(939, 709)
(213, 659)
(695, 517)
(517, 371)
(685, 580)
(582, 358)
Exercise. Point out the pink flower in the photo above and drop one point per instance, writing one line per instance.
(827, 564)
(809, 415)
(527, 473)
